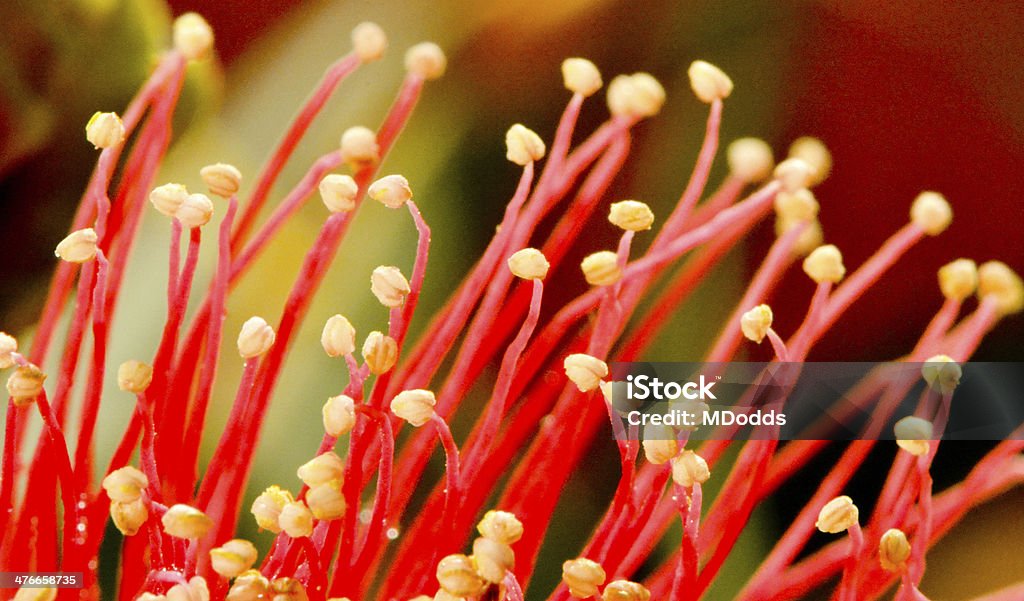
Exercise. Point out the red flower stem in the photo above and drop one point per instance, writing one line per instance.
(374, 536)
(684, 586)
(560, 146)
(800, 343)
(848, 588)
(698, 178)
(94, 387)
(513, 591)
(925, 510)
(332, 78)
(966, 337)
(208, 371)
(69, 492)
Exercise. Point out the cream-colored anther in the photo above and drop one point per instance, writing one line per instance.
(583, 577)
(287, 589)
(250, 585)
(958, 279)
(631, 215)
(794, 174)
(8, 347)
(326, 501)
(233, 557)
(195, 211)
(931, 212)
(338, 192)
(756, 322)
(389, 285)
(193, 36)
(635, 96)
(581, 76)
(320, 469)
(338, 337)
(457, 575)
(426, 60)
(796, 206)
(942, 373)
(359, 147)
(996, 280)
(659, 443)
(267, 507)
(689, 468)
(128, 518)
(709, 83)
(255, 338)
(585, 371)
(825, 264)
(296, 520)
(528, 264)
(380, 352)
(221, 179)
(523, 146)
(79, 246)
(195, 589)
(125, 484)
(814, 152)
(624, 590)
(601, 268)
(339, 415)
(185, 521)
(893, 550)
(414, 406)
(501, 526)
(492, 559)
(134, 376)
(168, 198)
(837, 515)
(750, 160)
(392, 191)
(25, 384)
(104, 130)
(369, 41)
(913, 435)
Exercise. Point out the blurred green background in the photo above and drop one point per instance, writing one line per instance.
(909, 96)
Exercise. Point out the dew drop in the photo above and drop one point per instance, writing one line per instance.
(391, 533)
(365, 515)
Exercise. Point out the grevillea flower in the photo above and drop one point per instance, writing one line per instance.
(355, 529)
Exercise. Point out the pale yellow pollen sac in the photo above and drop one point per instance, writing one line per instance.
(631, 215)
(128, 518)
(339, 192)
(958, 279)
(369, 41)
(185, 521)
(233, 557)
(501, 526)
(810, 238)
(709, 83)
(659, 443)
(528, 264)
(320, 469)
(195, 590)
(996, 280)
(695, 408)
(942, 373)
(134, 376)
(125, 484)
(624, 590)
(79, 246)
(426, 60)
(255, 338)
(825, 264)
(756, 322)
(44, 593)
(168, 198)
(339, 415)
(601, 268)
(638, 95)
(250, 585)
(796, 206)
(338, 337)
(422, 598)
(457, 575)
(492, 559)
(585, 371)
(193, 36)
(105, 130)
(296, 520)
(794, 174)
(931, 212)
(148, 596)
(414, 406)
(750, 160)
(689, 468)
(582, 576)
(838, 515)
(581, 76)
(359, 147)
(392, 191)
(380, 352)
(287, 589)
(196, 211)
(816, 154)
(913, 435)
(893, 550)
(523, 146)
(25, 384)
(389, 285)
(267, 507)
(8, 347)
(443, 595)
(326, 501)
(222, 179)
